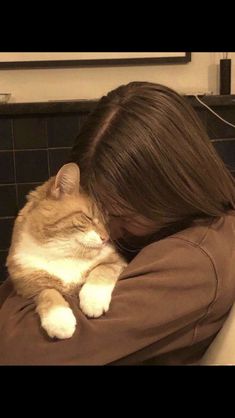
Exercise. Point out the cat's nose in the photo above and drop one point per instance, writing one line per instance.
(104, 238)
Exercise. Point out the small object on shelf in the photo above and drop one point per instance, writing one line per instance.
(5, 97)
(225, 75)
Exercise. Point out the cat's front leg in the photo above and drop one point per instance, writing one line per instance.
(56, 316)
(95, 295)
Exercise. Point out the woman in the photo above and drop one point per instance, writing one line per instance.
(169, 201)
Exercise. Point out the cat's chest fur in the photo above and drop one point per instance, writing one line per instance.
(69, 270)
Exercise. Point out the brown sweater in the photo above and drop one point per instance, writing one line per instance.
(169, 304)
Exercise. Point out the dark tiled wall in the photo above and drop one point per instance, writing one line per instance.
(32, 148)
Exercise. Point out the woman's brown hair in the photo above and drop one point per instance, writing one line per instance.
(143, 149)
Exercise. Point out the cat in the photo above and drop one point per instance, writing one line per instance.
(60, 246)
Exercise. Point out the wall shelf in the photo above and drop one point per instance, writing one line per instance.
(85, 106)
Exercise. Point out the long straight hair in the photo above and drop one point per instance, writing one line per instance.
(144, 150)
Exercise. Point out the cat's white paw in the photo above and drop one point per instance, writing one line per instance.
(95, 299)
(59, 322)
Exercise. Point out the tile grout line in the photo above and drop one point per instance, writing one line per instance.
(21, 183)
(34, 149)
(70, 147)
(47, 139)
(222, 140)
(14, 163)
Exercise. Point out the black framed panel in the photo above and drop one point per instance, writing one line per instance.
(132, 59)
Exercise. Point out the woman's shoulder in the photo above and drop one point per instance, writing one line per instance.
(215, 238)
(202, 249)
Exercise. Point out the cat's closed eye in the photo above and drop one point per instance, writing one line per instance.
(87, 217)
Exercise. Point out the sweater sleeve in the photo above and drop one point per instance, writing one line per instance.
(158, 301)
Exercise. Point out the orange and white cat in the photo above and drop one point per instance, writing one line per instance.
(60, 247)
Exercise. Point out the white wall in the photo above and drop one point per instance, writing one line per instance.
(35, 85)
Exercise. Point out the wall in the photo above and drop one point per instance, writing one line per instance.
(199, 75)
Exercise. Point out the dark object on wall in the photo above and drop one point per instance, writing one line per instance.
(225, 76)
(99, 59)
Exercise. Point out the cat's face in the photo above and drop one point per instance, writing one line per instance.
(63, 219)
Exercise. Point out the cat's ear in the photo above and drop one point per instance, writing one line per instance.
(67, 180)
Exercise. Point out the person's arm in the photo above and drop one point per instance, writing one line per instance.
(163, 292)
